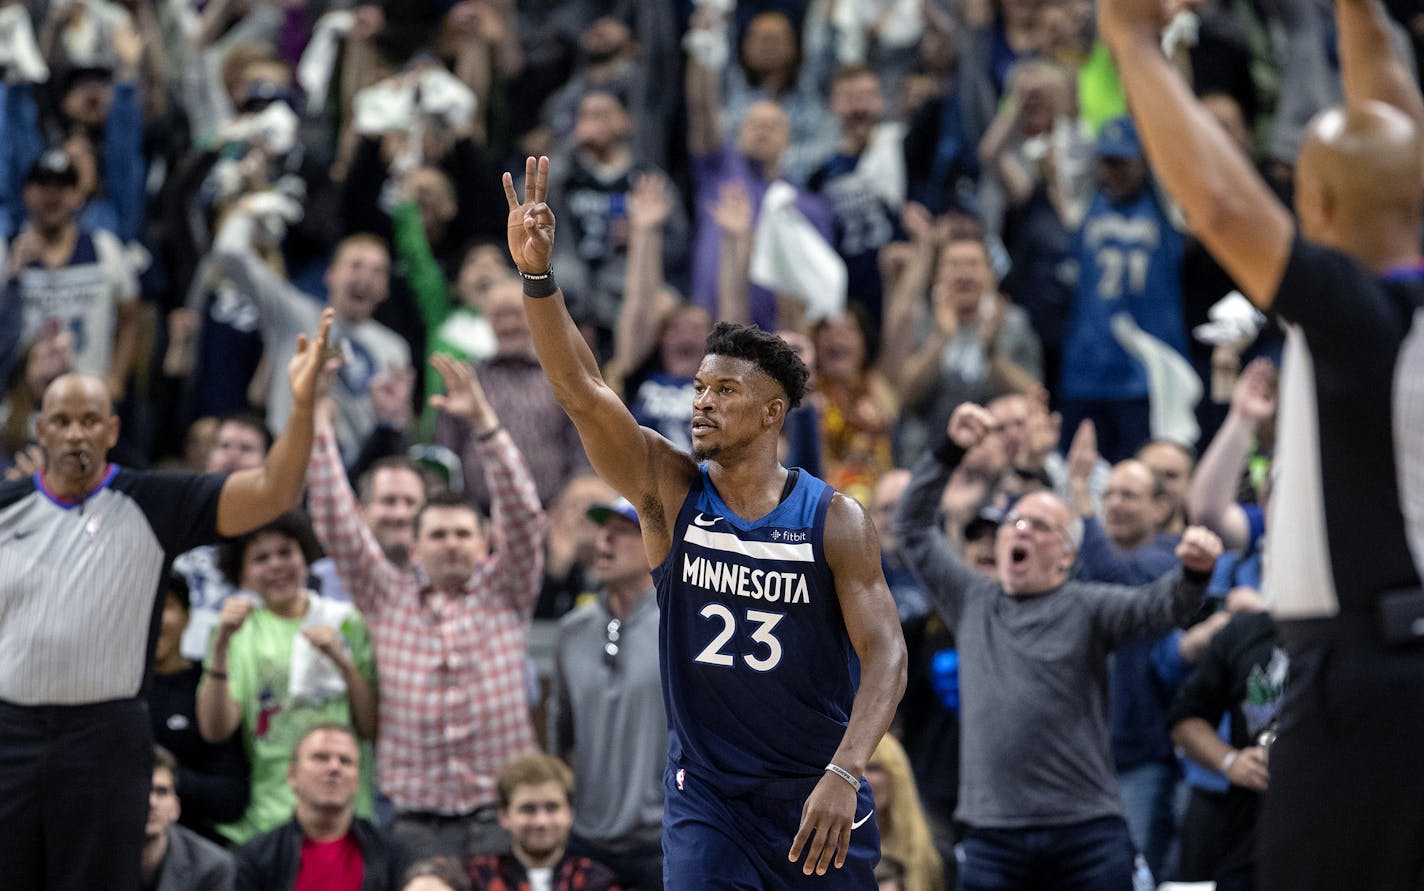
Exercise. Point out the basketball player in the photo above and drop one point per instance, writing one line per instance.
(770, 590)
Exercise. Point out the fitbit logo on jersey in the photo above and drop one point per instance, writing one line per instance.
(734, 578)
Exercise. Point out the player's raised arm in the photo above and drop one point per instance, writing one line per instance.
(1226, 204)
(630, 459)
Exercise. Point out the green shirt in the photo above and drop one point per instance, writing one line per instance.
(259, 662)
(454, 330)
(1100, 94)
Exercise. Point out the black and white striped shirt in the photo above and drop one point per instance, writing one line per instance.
(79, 610)
(1347, 506)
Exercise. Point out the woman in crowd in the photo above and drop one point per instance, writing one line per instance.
(904, 830)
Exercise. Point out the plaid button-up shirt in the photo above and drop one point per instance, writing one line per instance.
(453, 707)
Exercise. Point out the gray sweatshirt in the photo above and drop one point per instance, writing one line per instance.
(1034, 742)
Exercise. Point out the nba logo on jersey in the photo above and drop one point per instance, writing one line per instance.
(681, 779)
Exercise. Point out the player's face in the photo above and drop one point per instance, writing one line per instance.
(449, 544)
(396, 494)
(326, 771)
(162, 803)
(274, 568)
(237, 447)
(729, 406)
(77, 426)
(538, 818)
(1032, 548)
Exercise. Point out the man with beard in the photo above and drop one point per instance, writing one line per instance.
(450, 636)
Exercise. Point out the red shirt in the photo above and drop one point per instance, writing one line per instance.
(331, 866)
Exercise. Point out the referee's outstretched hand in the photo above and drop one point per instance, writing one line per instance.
(826, 823)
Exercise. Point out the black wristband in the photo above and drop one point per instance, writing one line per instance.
(488, 434)
(537, 286)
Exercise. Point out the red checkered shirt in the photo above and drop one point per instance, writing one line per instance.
(453, 707)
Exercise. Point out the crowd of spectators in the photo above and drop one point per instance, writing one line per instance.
(935, 202)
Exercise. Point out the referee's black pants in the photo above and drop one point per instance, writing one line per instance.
(74, 783)
(1345, 806)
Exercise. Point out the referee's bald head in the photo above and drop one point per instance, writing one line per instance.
(78, 386)
(77, 427)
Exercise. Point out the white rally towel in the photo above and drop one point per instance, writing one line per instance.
(312, 676)
(882, 165)
(1233, 320)
(790, 257)
(316, 69)
(1173, 388)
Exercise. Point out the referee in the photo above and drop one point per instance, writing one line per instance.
(83, 545)
(1347, 511)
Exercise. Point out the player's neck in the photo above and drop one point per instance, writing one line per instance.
(752, 488)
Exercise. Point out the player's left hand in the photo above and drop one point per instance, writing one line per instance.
(828, 814)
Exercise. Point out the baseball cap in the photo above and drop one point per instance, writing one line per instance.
(987, 519)
(1118, 139)
(600, 513)
(53, 166)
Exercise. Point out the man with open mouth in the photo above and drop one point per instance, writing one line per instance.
(1037, 788)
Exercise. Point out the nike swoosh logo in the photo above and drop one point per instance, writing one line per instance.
(861, 822)
(703, 521)
(22, 533)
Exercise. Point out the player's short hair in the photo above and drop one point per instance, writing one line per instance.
(533, 770)
(770, 354)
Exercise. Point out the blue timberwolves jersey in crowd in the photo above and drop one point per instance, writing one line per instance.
(1129, 260)
(757, 666)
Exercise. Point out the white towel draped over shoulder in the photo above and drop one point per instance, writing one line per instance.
(789, 256)
(312, 676)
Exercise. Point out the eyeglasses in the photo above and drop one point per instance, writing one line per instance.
(1013, 519)
(610, 642)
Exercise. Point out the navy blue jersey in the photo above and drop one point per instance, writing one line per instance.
(758, 671)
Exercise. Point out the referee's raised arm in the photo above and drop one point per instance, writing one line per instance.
(252, 497)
